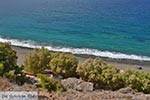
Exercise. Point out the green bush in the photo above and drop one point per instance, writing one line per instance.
(137, 80)
(91, 69)
(64, 64)
(16, 75)
(100, 73)
(1, 68)
(50, 84)
(20, 77)
(112, 78)
(7, 57)
(37, 61)
(8, 64)
(10, 75)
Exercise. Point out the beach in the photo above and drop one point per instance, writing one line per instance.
(22, 53)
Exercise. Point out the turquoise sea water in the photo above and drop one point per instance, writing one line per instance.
(107, 28)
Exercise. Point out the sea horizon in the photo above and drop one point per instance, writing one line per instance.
(114, 29)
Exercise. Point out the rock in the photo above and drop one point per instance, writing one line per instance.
(127, 91)
(139, 67)
(97, 95)
(4, 84)
(77, 84)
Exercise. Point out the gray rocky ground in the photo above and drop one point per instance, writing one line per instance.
(77, 90)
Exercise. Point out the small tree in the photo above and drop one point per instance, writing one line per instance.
(8, 64)
(8, 57)
(16, 75)
(50, 84)
(100, 73)
(112, 78)
(63, 64)
(37, 61)
(137, 80)
(91, 69)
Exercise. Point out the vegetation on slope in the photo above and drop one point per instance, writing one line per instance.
(108, 77)
(8, 64)
(100, 73)
(96, 70)
(50, 84)
(37, 61)
(64, 64)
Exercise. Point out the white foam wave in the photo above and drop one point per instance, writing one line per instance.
(31, 44)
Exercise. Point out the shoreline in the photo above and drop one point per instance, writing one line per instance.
(78, 51)
(22, 52)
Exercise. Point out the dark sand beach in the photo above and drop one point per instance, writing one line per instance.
(22, 52)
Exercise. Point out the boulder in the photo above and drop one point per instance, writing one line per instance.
(126, 91)
(77, 84)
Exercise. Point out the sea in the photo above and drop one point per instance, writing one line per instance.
(117, 29)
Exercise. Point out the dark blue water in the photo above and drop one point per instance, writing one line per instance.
(79, 26)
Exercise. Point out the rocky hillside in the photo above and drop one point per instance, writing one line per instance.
(77, 90)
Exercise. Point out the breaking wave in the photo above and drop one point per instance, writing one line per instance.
(95, 52)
